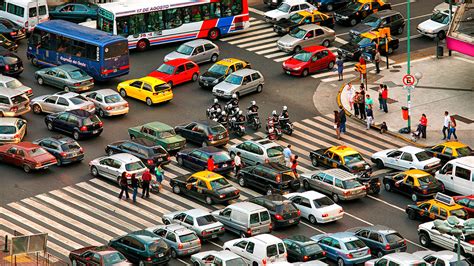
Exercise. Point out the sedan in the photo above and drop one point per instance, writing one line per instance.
(415, 183)
(198, 51)
(12, 130)
(107, 102)
(316, 207)
(467, 202)
(223, 258)
(65, 149)
(306, 36)
(302, 248)
(258, 151)
(436, 26)
(60, 102)
(11, 30)
(196, 159)
(65, 77)
(10, 64)
(26, 155)
(406, 158)
(176, 71)
(204, 133)
(112, 167)
(309, 60)
(102, 256)
(200, 221)
(14, 84)
(75, 12)
(343, 248)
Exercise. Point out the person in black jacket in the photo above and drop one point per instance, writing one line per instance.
(342, 117)
(134, 187)
(124, 186)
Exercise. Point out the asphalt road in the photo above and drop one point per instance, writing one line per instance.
(189, 103)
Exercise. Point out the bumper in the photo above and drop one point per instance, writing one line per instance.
(219, 142)
(270, 20)
(206, 84)
(163, 98)
(77, 158)
(82, 88)
(280, 31)
(222, 95)
(352, 197)
(226, 199)
(292, 72)
(189, 251)
(284, 223)
(15, 72)
(433, 169)
(329, 219)
(8, 141)
(431, 35)
(17, 113)
(286, 49)
(44, 166)
(343, 21)
(122, 111)
(358, 260)
(213, 235)
(92, 133)
(159, 261)
(396, 250)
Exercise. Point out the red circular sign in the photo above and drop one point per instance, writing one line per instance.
(408, 80)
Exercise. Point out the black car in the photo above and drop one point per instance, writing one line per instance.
(329, 5)
(380, 239)
(220, 70)
(196, 159)
(385, 18)
(269, 177)
(79, 123)
(142, 248)
(8, 44)
(302, 248)
(10, 64)
(65, 149)
(362, 45)
(284, 26)
(146, 150)
(204, 132)
(283, 211)
(11, 30)
(356, 11)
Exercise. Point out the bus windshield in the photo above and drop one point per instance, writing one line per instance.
(115, 50)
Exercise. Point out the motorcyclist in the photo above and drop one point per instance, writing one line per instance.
(216, 104)
(217, 113)
(234, 112)
(284, 114)
(275, 117)
(240, 117)
(223, 118)
(234, 101)
(252, 109)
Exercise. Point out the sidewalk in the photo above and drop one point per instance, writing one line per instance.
(447, 85)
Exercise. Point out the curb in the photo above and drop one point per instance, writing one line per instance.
(349, 114)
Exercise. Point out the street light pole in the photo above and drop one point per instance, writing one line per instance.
(408, 66)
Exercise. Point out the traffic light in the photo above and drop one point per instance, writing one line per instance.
(362, 69)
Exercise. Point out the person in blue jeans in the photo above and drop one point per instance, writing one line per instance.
(452, 128)
(340, 67)
(134, 187)
(342, 116)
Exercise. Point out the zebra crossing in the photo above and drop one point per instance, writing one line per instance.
(90, 213)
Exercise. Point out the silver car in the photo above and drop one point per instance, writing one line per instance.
(14, 84)
(113, 166)
(304, 36)
(66, 77)
(199, 51)
(222, 258)
(107, 102)
(12, 130)
(13, 103)
(181, 240)
(258, 151)
(241, 82)
(60, 102)
(198, 220)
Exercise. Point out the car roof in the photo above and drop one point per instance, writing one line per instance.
(344, 236)
(66, 67)
(160, 125)
(247, 206)
(144, 142)
(103, 250)
(310, 26)
(6, 78)
(405, 257)
(301, 239)
(153, 80)
(208, 175)
(60, 138)
(315, 48)
(275, 166)
(306, 12)
(124, 157)
(416, 173)
(209, 150)
(274, 197)
(311, 194)
(453, 144)
(197, 42)
(26, 145)
(66, 94)
(197, 212)
(294, 2)
(446, 255)
(467, 161)
(410, 149)
(178, 229)
(441, 204)
(145, 235)
(264, 142)
(229, 61)
(80, 113)
(9, 121)
(343, 150)
(267, 239)
(339, 173)
(209, 123)
(244, 72)
(106, 92)
(177, 61)
(380, 228)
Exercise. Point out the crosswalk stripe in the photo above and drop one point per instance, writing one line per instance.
(266, 51)
(264, 40)
(249, 33)
(348, 76)
(257, 25)
(253, 38)
(176, 168)
(281, 59)
(182, 199)
(259, 47)
(256, 22)
(339, 40)
(252, 19)
(276, 55)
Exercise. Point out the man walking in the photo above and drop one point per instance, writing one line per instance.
(342, 117)
(370, 116)
(385, 98)
(377, 60)
(124, 186)
(134, 187)
(340, 68)
(287, 154)
(447, 120)
(237, 163)
(146, 178)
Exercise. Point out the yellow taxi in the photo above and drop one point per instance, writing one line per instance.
(357, 10)
(441, 207)
(414, 183)
(284, 26)
(342, 157)
(450, 150)
(148, 89)
(220, 70)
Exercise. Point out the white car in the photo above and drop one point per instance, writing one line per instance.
(14, 84)
(212, 257)
(112, 167)
(258, 250)
(107, 102)
(444, 257)
(60, 102)
(406, 158)
(436, 26)
(316, 207)
(400, 259)
(200, 221)
(288, 8)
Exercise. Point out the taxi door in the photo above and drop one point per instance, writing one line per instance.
(326, 158)
(201, 190)
(423, 209)
(134, 88)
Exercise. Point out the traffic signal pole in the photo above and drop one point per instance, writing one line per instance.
(408, 66)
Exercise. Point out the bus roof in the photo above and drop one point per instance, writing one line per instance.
(75, 31)
(125, 6)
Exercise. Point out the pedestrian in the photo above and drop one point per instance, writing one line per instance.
(424, 125)
(370, 116)
(160, 174)
(452, 128)
(350, 92)
(123, 185)
(385, 98)
(134, 187)
(337, 124)
(146, 178)
(237, 163)
(447, 120)
(362, 87)
(356, 104)
(294, 165)
(377, 59)
(383, 127)
(210, 163)
(369, 102)
(342, 117)
(380, 90)
(362, 105)
(287, 154)
(340, 68)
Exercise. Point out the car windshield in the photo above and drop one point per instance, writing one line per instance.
(284, 7)
(312, 248)
(218, 69)
(70, 146)
(464, 151)
(114, 98)
(272, 251)
(394, 238)
(167, 133)
(303, 56)
(19, 99)
(354, 5)
(460, 213)
(159, 150)
(364, 41)
(296, 18)
(206, 220)
(219, 183)
(115, 50)
(113, 258)
(353, 158)
(298, 33)
(275, 151)
(78, 74)
(234, 79)
(221, 157)
(165, 68)
(372, 21)
(355, 245)
(440, 18)
(426, 180)
(138, 165)
(323, 202)
(217, 129)
(13, 84)
(188, 238)
(90, 120)
(285, 207)
(9, 60)
(423, 156)
(7, 130)
(239, 262)
(185, 49)
(157, 245)
(37, 152)
(79, 99)
(351, 183)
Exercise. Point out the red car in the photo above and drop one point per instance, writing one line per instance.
(309, 60)
(97, 256)
(27, 155)
(177, 71)
(467, 202)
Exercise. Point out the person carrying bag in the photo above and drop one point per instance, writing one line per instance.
(159, 173)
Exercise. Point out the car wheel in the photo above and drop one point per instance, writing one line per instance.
(390, 50)
(297, 49)
(26, 168)
(141, 263)
(335, 197)
(59, 162)
(101, 113)
(326, 43)
(123, 93)
(40, 80)
(306, 185)
(331, 65)
(242, 181)
(109, 152)
(75, 135)
(259, 88)
(387, 187)
(149, 102)
(170, 83)
(414, 197)
(34, 61)
(176, 189)
(213, 34)
(204, 144)
(94, 171)
(441, 35)
(379, 163)
(329, 7)
(243, 235)
(399, 30)
(67, 89)
(214, 58)
(232, 155)
(142, 45)
(179, 160)
(37, 109)
(132, 137)
(312, 219)
(269, 191)
(88, 19)
(425, 240)
(209, 200)
(314, 162)
(305, 72)
(353, 22)
(340, 262)
(255, 263)
(411, 214)
(174, 254)
(195, 76)
(50, 126)
(380, 254)
(196, 264)
(165, 221)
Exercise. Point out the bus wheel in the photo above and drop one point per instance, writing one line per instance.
(213, 34)
(34, 61)
(142, 45)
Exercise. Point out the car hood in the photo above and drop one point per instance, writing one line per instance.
(225, 86)
(431, 26)
(345, 12)
(275, 13)
(171, 214)
(361, 28)
(293, 63)
(211, 75)
(309, 174)
(288, 40)
(160, 75)
(175, 55)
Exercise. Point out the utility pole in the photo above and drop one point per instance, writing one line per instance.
(408, 66)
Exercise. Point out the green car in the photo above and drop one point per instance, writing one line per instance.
(7, 44)
(160, 134)
(302, 248)
(74, 12)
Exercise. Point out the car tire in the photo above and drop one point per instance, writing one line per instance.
(209, 200)
(326, 43)
(174, 255)
(297, 49)
(255, 263)
(306, 185)
(329, 7)
(379, 254)
(387, 187)
(213, 34)
(314, 162)
(142, 45)
(132, 137)
(26, 168)
(50, 126)
(166, 222)
(148, 102)
(76, 135)
(196, 264)
(353, 22)
(312, 219)
(101, 113)
(141, 263)
(411, 214)
(179, 159)
(441, 35)
(331, 65)
(335, 198)
(170, 83)
(34, 61)
(259, 88)
(123, 93)
(414, 197)
(424, 239)
(305, 72)
(204, 144)
(379, 163)
(195, 77)
(242, 181)
(214, 58)
(66, 89)
(59, 162)
(94, 171)
(176, 189)
(400, 31)
(40, 80)
(37, 109)
(340, 262)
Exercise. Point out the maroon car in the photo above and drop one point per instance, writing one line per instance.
(27, 155)
(102, 255)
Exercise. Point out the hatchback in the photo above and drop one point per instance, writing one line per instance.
(112, 167)
(11, 30)
(176, 71)
(316, 207)
(107, 102)
(14, 84)
(10, 63)
(380, 239)
(60, 102)
(258, 151)
(241, 82)
(13, 102)
(302, 248)
(180, 239)
(305, 36)
(79, 123)
(66, 77)
(196, 159)
(343, 248)
(382, 19)
(12, 130)
(198, 220)
(282, 210)
(65, 149)
(204, 132)
(309, 60)
(150, 153)
(198, 51)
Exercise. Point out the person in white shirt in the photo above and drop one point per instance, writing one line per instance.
(287, 154)
(447, 120)
(350, 92)
(237, 163)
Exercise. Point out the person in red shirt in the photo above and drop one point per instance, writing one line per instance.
(385, 98)
(294, 164)
(423, 124)
(210, 164)
(146, 178)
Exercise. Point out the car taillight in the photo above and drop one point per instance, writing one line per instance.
(199, 241)
(249, 232)
(341, 211)
(349, 256)
(210, 137)
(29, 91)
(278, 217)
(364, 187)
(222, 196)
(101, 124)
(324, 253)
(424, 191)
(180, 246)
(325, 215)
(368, 251)
(270, 228)
(346, 193)
(299, 212)
(278, 178)
(77, 84)
(63, 154)
(108, 108)
(148, 259)
(237, 192)
(81, 149)
(387, 247)
(222, 229)
(471, 242)
(128, 174)
(13, 33)
(17, 136)
(7, 68)
(204, 233)
(149, 162)
(264, 261)
(83, 128)
(125, 105)
(305, 258)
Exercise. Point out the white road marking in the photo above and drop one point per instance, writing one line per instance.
(266, 51)
(256, 11)
(276, 55)
(264, 40)
(253, 38)
(259, 47)
(347, 76)
(281, 59)
(248, 33)
(386, 203)
(403, 3)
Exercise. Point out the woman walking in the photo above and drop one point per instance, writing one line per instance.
(340, 68)
(452, 128)
(124, 186)
(159, 173)
(337, 124)
(294, 165)
(134, 187)
(362, 105)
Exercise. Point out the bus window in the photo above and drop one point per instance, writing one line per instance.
(155, 21)
(115, 50)
(215, 10)
(174, 18)
(195, 14)
(15, 10)
(32, 12)
(205, 11)
(42, 10)
(3, 5)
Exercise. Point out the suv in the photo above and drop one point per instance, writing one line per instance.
(204, 132)
(381, 240)
(13, 103)
(240, 82)
(282, 210)
(385, 18)
(10, 63)
(269, 177)
(144, 149)
(258, 151)
(65, 149)
(181, 240)
(198, 220)
(79, 123)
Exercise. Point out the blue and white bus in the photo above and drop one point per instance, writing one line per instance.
(56, 42)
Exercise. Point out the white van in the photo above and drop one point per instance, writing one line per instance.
(26, 13)
(458, 175)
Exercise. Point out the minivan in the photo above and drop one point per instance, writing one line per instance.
(26, 13)
(13, 102)
(458, 175)
(245, 219)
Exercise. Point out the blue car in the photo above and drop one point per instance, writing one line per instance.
(329, 5)
(196, 159)
(344, 248)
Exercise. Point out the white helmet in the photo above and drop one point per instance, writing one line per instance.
(234, 96)
(215, 100)
(253, 102)
(240, 112)
(274, 112)
(229, 106)
(218, 110)
(285, 108)
(223, 113)
(237, 110)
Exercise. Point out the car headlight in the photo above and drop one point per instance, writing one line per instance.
(215, 81)
(297, 68)
(344, 17)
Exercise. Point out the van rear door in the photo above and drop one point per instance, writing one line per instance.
(36, 13)
(260, 222)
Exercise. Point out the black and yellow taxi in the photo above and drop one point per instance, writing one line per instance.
(450, 150)
(415, 183)
(220, 70)
(284, 26)
(8, 44)
(356, 11)
(205, 186)
(441, 207)
(367, 43)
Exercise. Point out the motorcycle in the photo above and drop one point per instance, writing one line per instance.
(286, 126)
(237, 127)
(230, 109)
(211, 113)
(273, 132)
(253, 120)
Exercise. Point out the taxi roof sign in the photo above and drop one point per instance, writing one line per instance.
(445, 199)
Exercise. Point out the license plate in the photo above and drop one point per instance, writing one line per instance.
(287, 72)
(224, 165)
(95, 131)
(214, 236)
(161, 255)
(291, 221)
